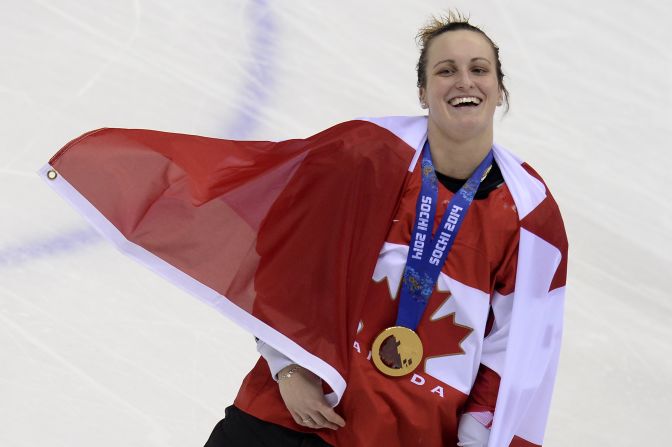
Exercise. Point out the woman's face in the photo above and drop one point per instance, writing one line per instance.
(462, 91)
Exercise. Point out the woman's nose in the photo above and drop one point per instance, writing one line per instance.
(464, 81)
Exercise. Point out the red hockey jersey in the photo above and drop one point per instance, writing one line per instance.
(422, 408)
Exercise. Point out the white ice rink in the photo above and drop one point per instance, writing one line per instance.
(97, 351)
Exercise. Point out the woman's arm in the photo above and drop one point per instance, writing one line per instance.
(276, 360)
(301, 391)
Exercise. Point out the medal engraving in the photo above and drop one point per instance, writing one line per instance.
(397, 351)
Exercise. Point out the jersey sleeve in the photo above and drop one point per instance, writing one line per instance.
(276, 360)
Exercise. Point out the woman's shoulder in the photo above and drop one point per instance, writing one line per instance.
(538, 211)
(528, 188)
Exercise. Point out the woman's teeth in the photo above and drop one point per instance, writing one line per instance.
(470, 100)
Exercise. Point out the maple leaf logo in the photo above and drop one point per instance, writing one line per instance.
(441, 327)
(439, 323)
(447, 325)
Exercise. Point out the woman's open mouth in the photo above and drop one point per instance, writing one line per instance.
(465, 101)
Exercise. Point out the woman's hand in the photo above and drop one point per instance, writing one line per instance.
(302, 392)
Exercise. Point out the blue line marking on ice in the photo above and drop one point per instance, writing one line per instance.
(258, 75)
(62, 243)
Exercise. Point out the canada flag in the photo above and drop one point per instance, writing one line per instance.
(280, 235)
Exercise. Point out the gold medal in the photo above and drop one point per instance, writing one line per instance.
(397, 351)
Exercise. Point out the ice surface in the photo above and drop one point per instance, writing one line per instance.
(94, 350)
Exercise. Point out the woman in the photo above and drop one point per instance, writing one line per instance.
(460, 82)
(392, 308)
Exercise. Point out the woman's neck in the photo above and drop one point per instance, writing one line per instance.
(458, 159)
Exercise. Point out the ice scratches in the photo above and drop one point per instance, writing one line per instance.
(69, 366)
(188, 76)
(122, 47)
(80, 338)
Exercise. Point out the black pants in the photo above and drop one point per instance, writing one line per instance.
(239, 429)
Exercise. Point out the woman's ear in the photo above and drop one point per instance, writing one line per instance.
(421, 97)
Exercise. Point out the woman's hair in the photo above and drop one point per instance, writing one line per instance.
(453, 21)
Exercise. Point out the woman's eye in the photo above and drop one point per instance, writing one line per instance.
(479, 70)
(445, 71)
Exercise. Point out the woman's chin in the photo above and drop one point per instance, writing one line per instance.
(466, 129)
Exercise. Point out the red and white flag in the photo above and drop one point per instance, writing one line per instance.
(280, 235)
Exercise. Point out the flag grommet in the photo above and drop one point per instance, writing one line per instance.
(51, 174)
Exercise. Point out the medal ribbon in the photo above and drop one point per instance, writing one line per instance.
(427, 253)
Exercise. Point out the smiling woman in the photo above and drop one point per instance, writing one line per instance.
(305, 243)
(437, 375)
(454, 22)
(461, 82)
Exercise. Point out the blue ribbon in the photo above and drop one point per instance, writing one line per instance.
(427, 253)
